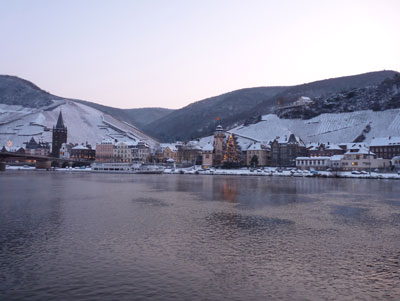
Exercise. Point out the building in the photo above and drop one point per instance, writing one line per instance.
(37, 148)
(166, 151)
(325, 150)
(258, 154)
(191, 153)
(83, 153)
(336, 162)
(65, 151)
(122, 152)
(361, 158)
(285, 150)
(219, 146)
(313, 163)
(14, 149)
(396, 163)
(141, 152)
(59, 136)
(386, 147)
(208, 154)
(105, 151)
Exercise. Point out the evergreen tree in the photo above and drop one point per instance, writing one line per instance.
(232, 153)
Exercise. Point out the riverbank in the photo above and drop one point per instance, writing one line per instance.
(271, 171)
(267, 171)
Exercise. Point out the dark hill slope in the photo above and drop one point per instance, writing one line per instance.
(199, 119)
(18, 91)
(381, 97)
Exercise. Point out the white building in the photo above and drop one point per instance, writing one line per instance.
(313, 163)
(122, 152)
(141, 152)
(361, 158)
(65, 151)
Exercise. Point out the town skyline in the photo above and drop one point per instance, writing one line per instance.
(133, 54)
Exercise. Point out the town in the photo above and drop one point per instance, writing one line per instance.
(222, 150)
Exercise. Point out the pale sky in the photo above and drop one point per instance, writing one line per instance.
(169, 53)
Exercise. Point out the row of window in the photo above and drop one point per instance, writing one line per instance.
(384, 149)
(311, 162)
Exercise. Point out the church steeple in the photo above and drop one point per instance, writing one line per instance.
(60, 122)
(59, 136)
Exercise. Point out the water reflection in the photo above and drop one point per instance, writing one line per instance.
(126, 237)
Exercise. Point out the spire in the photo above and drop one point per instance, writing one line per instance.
(60, 122)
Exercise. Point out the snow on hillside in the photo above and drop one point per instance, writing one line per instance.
(334, 128)
(85, 124)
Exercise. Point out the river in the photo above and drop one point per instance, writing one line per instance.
(84, 236)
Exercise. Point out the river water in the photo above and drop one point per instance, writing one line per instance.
(83, 236)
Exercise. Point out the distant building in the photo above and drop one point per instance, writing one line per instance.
(37, 148)
(191, 153)
(59, 136)
(396, 162)
(83, 153)
(65, 151)
(122, 152)
(105, 151)
(258, 154)
(325, 150)
(13, 149)
(208, 154)
(285, 150)
(386, 147)
(361, 158)
(313, 163)
(166, 151)
(219, 146)
(141, 152)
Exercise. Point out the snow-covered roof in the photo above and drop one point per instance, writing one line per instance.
(208, 147)
(385, 141)
(171, 146)
(256, 146)
(80, 147)
(193, 145)
(12, 149)
(285, 139)
(359, 151)
(337, 157)
(333, 147)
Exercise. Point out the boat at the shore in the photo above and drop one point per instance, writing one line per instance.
(130, 168)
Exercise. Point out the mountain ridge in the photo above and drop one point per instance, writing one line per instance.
(199, 118)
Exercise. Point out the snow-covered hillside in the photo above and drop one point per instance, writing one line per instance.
(85, 124)
(334, 128)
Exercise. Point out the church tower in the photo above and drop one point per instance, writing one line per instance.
(219, 145)
(59, 136)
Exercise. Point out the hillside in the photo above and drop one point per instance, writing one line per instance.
(17, 91)
(137, 117)
(377, 91)
(200, 118)
(230, 109)
(84, 123)
(380, 97)
(334, 128)
(28, 111)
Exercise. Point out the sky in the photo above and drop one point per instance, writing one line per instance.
(170, 53)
